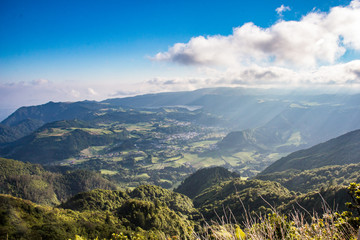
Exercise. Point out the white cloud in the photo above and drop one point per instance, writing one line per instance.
(74, 93)
(344, 75)
(92, 92)
(315, 40)
(282, 9)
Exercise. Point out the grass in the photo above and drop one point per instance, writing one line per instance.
(143, 177)
(275, 226)
(205, 143)
(108, 172)
(52, 132)
(139, 127)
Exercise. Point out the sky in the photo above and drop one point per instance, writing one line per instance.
(64, 50)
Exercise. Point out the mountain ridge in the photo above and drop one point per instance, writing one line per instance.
(344, 149)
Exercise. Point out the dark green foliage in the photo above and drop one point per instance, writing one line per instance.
(22, 219)
(315, 179)
(76, 181)
(109, 200)
(9, 167)
(21, 129)
(153, 216)
(175, 201)
(332, 198)
(354, 205)
(32, 182)
(338, 151)
(202, 179)
(237, 195)
(99, 199)
(99, 213)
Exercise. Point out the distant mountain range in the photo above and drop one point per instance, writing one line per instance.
(240, 108)
(261, 124)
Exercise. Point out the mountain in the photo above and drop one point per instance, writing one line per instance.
(57, 141)
(232, 104)
(294, 128)
(52, 111)
(233, 199)
(307, 118)
(344, 149)
(242, 108)
(25, 120)
(202, 179)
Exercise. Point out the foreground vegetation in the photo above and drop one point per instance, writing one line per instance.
(222, 207)
(140, 219)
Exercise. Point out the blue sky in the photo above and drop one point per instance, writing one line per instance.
(75, 50)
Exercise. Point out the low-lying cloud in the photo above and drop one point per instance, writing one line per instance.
(39, 91)
(345, 75)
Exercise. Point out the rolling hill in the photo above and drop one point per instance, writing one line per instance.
(342, 150)
(52, 111)
(202, 179)
(57, 141)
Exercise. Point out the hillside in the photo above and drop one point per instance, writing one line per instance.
(110, 200)
(151, 212)
(221, 193)
(202, 179)
(332, 199)
(33, 182)
(296, 127)
(52, 111)
(315, 179)
(344, 149)
(58, 141)
(19, 130)
(21, 219)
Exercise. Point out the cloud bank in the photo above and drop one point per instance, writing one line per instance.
(325, 78)
(317, 39)
(33, 92)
